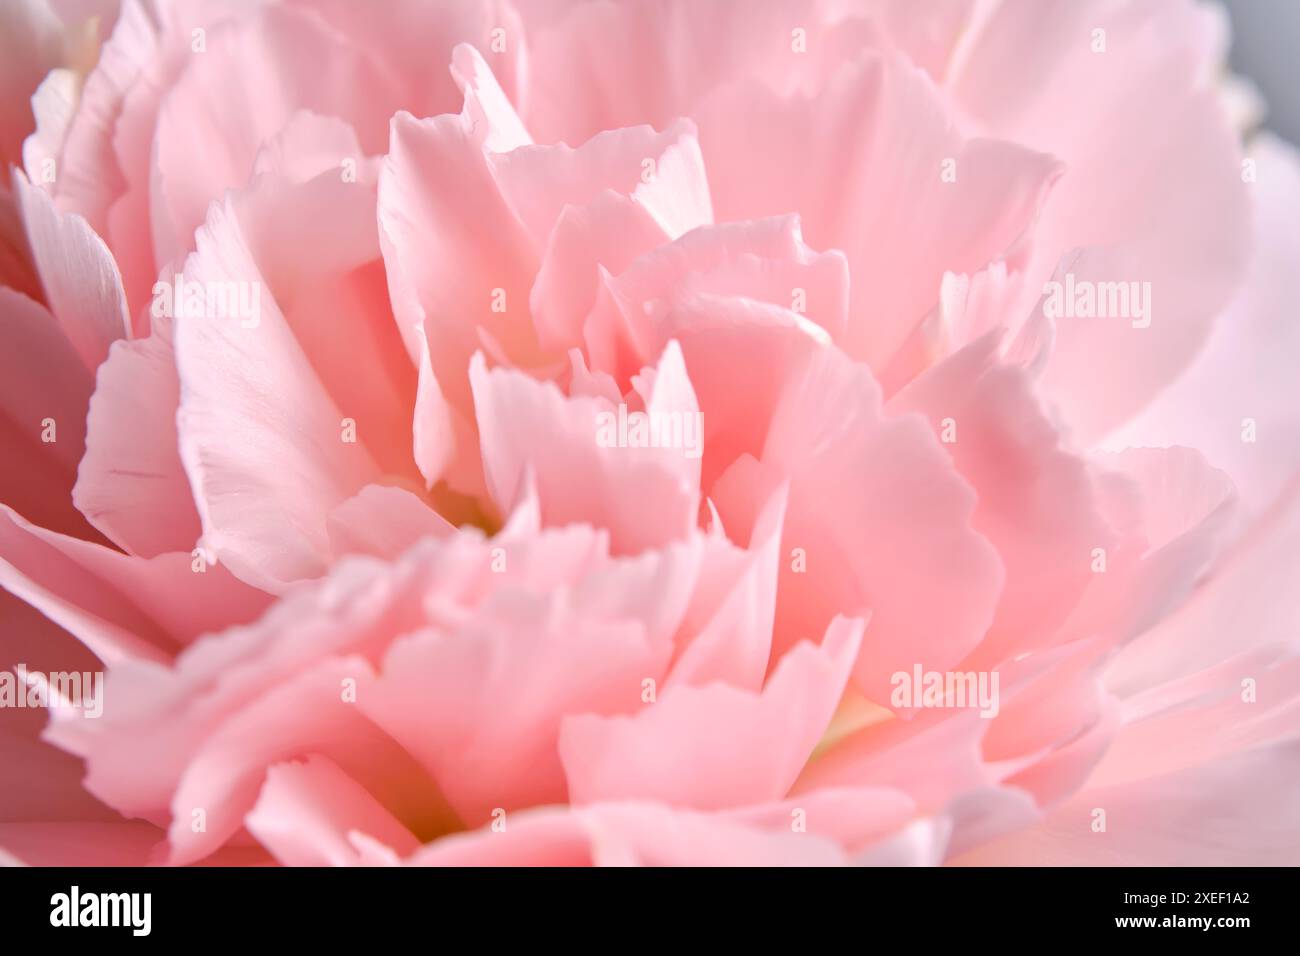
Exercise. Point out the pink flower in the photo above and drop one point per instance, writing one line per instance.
(872, 439)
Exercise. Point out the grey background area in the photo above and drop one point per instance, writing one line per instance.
(1266, 48)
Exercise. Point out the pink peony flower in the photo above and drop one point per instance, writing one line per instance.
(666, 431)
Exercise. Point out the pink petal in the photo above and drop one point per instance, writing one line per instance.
(1036, 502)
(873, 534)
(41, 782)
(54, 104)
(765, 260)
(30, 46)
(1249, 361)
(539, 181)
(528, 423)
(312, 271)
(1247, 603)
(653, 835)
(267, 525)
(80, 278)
(91, 843)
(119, 606)
(728, 634)
(1236, 812)
(1174, 527)
(602, 66)
(414, 40)
(131, 484)
(384, 522)
(17, 271)
(42, 380)
(901, 224)
(632, 834)
(257, 70)
(501, 682)
(607, 233)
(1177, 219)
(306, 715)
(543, 837)
(713, 747)
(308, 812)
(853, 818)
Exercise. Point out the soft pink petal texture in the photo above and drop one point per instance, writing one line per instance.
(853, 818)
(448, 248)
(446, 251)
(331, 287)
(604, 65)
(234, 704)
(333, 430)
(17, 271)
(30, 46)
(80, 11)
(1249, 362)
(115, 843)
(873, 534)
(494, 230)
(898, 218)
(255, 73)
(77, 272)
(933, 758)
(500, 682)
(538, 181)
(607, 233)
(306, 654)
(130, 484)
(119, 606)
(1036, 502)
(921, 843)
(49, 818)
(929, 33)
(88, 843)
(1198, 773)
(54, 104)
(980, 777)
(1236, 812)
(637, 208)
(1175, 513)
(1244, 604)
(1174, 214)
(740, 350)
(1052, 730)
(1206, 716)
(51, 785)
(384, 522)
(644, 496)
(308, 813)
(727, 636)
(307, 714)
(714, 747)
(652, 835)
(541, 837)
(90, 175)
(41, 379)
(167, 713)
(414, 39)
(764, 260)
(104, 167)
(628, 834)
(870, 556)
(993, 298)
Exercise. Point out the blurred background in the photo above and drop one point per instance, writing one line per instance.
(1266, 48)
